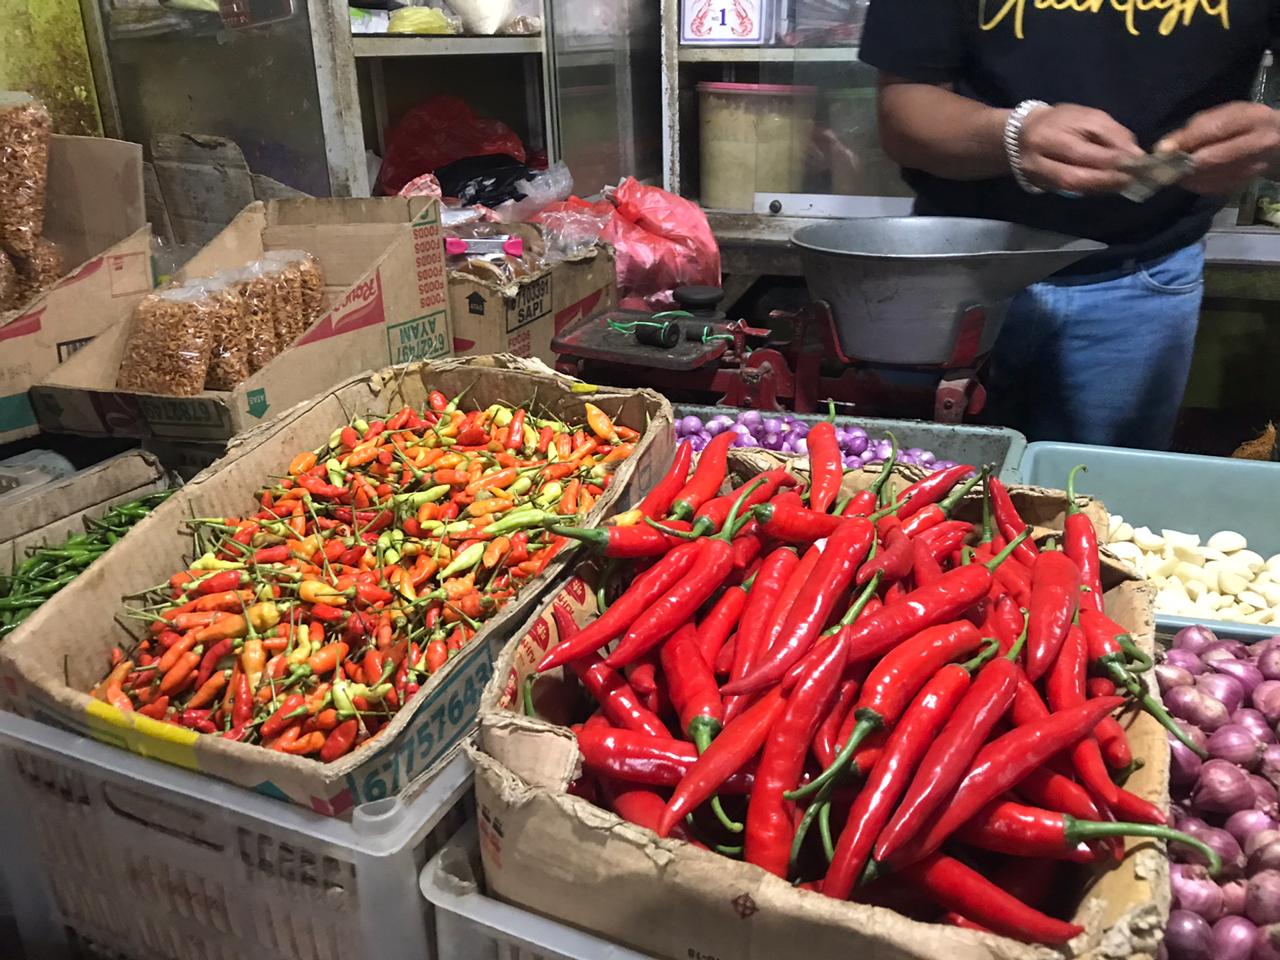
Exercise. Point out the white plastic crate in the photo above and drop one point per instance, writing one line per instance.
(473, 926)
(111, 854)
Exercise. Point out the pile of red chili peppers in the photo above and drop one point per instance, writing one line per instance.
(866, 696)
(305, 625)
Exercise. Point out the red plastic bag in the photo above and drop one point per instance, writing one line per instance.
(661, 241)
(437, 132)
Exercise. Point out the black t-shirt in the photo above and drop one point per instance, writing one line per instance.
(1151, 64)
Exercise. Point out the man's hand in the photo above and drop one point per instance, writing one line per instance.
(1230, 145)
(1073, 149)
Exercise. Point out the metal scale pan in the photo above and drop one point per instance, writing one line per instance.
(926, 291)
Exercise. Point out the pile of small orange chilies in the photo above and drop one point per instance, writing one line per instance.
(306, 625)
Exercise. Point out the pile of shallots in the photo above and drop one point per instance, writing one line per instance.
(1226, 694)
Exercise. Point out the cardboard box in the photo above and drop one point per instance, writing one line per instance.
(64, 649)
(561, 856)
(54, 511)
(384, 273)
(94, 212)
(523, 318)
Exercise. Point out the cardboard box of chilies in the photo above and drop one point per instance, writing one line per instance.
(63, 649)
(383, 265)
(561, 856)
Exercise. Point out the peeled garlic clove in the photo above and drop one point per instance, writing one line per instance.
(1244, 609)
(1171, 601)
(1195, 590)
(1228, 541)
(1162, 567)
(1249, 559)
(1122, 533)
(1253, 599)
(1188, 553)
(1273, 563)
(1262, 616)
(1214, 600)
(1113, 522)
(1186, 571)
(1146, 540)
(1271, 591)
(1177, 536)
(1232, 583)
(1125, 551)
(1210, 554)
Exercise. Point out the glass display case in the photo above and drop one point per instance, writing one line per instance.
(784, 125)
(308, 102)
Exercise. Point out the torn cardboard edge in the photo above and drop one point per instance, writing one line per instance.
(561, 856)
(63, 649)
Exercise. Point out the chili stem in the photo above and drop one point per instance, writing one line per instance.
(1078, 830)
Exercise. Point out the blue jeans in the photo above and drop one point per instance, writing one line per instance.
(1100, 359)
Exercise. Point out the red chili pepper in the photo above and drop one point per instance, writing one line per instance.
(717, 625)
(278, 554)
(864, 502)
(1024, 831)
(952, 751)
(794, 523)
(1064, 688)
(929, 490)
(845, 550)
(639, 540)
(891, 685)
(769, 828)
(242, 707)
(826, 465)
(293, 706)
(889, 779)
(927, 606)
(1048, 788)
(729, 752)
(746, 548)
(221, 582)
(515, 431)
(320, 489)
(824, 741)
(155, 710)
(933, 514)
(1113, 740)
(210, 660)
(1106, 653)
(641, 807)
(640, 758)
(1080, 544)
(966, 891)
(1008, 522)
(691, 685)
(615, 696)
(644, 591)
(711, 565)
(706, 479)
(925, 570)
(1055, 595)
(1001, 764)
(892, 561)
(712, 514)
(771, 587)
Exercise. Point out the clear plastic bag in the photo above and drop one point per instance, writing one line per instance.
(24, 165)
(550, 186)
(258, 289)
(9, 283)
(229, 332)
(312, 286)
(38, 272)
(168, 348)
(286, 311)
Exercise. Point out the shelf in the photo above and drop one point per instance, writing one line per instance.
(768, 54)
(385, 45)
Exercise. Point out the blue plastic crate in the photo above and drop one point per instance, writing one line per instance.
(1173, 491)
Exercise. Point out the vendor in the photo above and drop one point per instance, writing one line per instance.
(1028, 111)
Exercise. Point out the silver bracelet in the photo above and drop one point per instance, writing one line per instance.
(1013, 141)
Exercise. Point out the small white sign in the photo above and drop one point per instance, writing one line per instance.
(722, 21)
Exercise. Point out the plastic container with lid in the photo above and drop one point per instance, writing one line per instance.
(860, 168)
(753, 138)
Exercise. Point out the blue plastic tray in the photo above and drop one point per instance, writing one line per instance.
(1174, 491)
